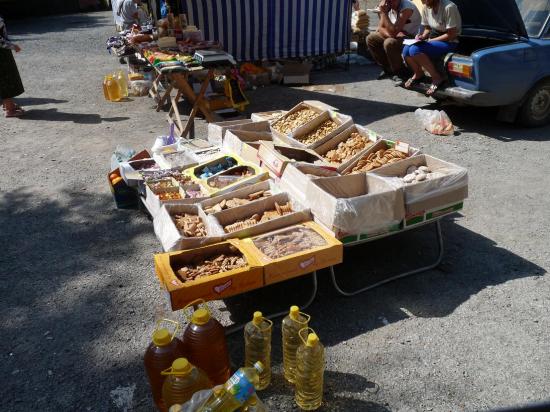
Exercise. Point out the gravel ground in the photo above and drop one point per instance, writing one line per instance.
(79, 294)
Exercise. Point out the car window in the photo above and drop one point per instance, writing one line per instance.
(534, 13)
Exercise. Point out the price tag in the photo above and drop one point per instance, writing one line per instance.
(402, 147)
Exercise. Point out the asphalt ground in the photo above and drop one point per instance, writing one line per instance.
(79, 296)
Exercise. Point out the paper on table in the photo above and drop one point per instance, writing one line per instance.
(410, 42)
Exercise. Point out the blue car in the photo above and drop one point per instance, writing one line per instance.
(503, 59)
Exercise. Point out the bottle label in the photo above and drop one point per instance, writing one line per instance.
(240, 387)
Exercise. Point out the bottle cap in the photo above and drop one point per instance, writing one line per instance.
(181, 366)
(161, 337)
(200, 316)
(312, 340)
(294, 312)
(259, 366)
(257, 319)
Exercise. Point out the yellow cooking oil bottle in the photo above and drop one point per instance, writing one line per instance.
(257, 346)
(113, 89)
(235, 392)
(292, 324)
(105, 90)
(253, 405)
(123, 83)
(182, 381)
(310, 368)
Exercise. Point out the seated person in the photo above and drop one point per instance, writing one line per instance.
(442, 26)
(399, 19)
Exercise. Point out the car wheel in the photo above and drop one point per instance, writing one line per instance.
(535, 111)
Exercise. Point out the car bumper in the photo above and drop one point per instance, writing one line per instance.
(461, 95)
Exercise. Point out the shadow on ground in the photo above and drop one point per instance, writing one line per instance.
(60, 23)
(53, 115)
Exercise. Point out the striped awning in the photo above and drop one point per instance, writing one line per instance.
(273, 29)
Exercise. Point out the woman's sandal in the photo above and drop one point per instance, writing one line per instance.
(433, 88)
(412, 81)
(17, 112)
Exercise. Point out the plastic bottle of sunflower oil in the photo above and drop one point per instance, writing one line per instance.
(257, 346)
(310, 369)
(292, 324)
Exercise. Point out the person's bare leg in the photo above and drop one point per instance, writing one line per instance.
(424, 61)
(414, 66)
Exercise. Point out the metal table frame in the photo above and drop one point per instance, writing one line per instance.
(337, 287)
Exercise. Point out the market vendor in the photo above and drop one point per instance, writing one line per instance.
(442, 26)
(128, 11)
(10, 81)
(399, 19)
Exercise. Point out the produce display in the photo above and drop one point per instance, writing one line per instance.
(280, 210)
(378, 159)
(190, 225)
(345, 150)
(231, 176)
(322, 131)
(144, 164)
(178, 158)
(212, 266)
(294, 120)
(419, 174)
(194, 193)
(289, 242)
(160, 184)
(162, 174)
(170, 196)
(234, 202)
(215, 167)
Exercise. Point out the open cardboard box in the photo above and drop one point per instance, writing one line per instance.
(277, 157)
(171, 237)
(317, 107)
(382, 144)
(269, 116)
(296, 72)
(125, 196)
(218, 286)
(236, 182)
(330, 253)
(296, 177)
(295, 138)
(355, 204)
(245, 143)
(449, 188)
(324, 148)
(229, 216)
(153, 203)
(216, 131)
(241, 193)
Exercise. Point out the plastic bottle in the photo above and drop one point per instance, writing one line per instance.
(123, 83)
(182, 381)
(205, 345)
(310, 368)
(292, 324)
(113, 88)
(257, 346)
(235, 392)
(254, 404)
(160, 354)
(105, 90)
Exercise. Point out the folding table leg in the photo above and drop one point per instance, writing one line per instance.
(235, 328)
(164, 98)
(197, 106)
(399, 276)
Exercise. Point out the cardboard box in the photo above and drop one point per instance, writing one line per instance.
(229, 216)
(170, 236)
(300, 263)
(269, 116)
(277, 157)
(294, 139)
(213, 287)
(153, 203)
(355, 204)
(317, 107)
(414, 219)
(217, 131)
(450, 188)
(245, 143)
(296, 177)
(380, 144)
(296, 72)
(241, 193)
(324, 148)
(125, 196)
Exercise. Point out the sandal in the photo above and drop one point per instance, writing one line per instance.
(412, 81)
(433, 88)
(17, 112)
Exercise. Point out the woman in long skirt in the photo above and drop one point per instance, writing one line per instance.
(10, 82)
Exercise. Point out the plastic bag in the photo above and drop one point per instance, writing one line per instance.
(121, 154)
(200, 397)
(139, 87)
(435, 121)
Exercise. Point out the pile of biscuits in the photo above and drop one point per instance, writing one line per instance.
(280, 210)
(169, 196)
(322, 131)
(234, 202)
(190, 225)
(287, 243)
(294, 120)
(211, 266)
(378, 159)
(345, 150)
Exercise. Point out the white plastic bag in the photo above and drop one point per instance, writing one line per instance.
(435, 121)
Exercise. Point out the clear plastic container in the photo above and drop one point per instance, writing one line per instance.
(182, 381)
(113, 89)
(291, 326)
(310, 369)
(257, 346)
(288, 241)
(123, 83)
